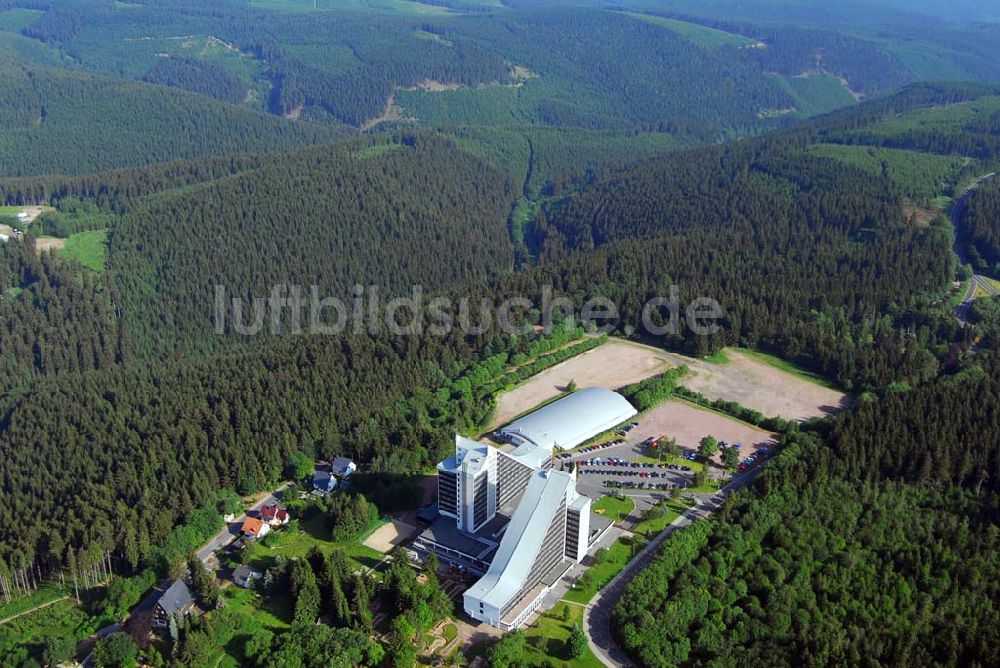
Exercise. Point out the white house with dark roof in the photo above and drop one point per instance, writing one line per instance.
(342, 467)
(324, 482)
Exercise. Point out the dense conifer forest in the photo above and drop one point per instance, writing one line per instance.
(61, 122)
(789, 243)
(978, 227)
(872, 542)
(490, 152)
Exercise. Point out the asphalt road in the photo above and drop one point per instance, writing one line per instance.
(962, 310)
(232, 530)
(597, 614)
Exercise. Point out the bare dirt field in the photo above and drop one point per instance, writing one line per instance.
(689, 424)
(49, 243)
(613, 365)
(389, 535)
(756, 384)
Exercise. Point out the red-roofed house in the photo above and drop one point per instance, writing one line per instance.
(274, 515)
(254, 528)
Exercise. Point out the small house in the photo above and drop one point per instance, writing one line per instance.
(324, 482)
(274, 515)
(244, 576)
(24, 217)
(343, 467)
(176, 601)
(254, 528)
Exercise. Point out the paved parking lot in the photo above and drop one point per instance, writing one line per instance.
(680, 420)
(596, 480)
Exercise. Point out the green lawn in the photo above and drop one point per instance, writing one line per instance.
(546, 639)
(272, 613)
(614, 507)
(693, 465)
(88, 248)
(610, 562)
(312, 533)
(654, 525)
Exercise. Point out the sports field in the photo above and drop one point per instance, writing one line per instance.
(613, 365)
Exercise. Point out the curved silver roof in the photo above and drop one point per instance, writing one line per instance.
(571, 420)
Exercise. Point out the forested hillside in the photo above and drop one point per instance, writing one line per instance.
(52, 319)
(798, 250)
(487, 151)
(979, 227)
(568, 67)
(60, 122)
(875, 548)
(327, 217)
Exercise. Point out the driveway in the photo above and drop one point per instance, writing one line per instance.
(232, 530)
(597, 614)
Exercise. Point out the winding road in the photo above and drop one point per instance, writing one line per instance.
(977, 282)
(597, 614)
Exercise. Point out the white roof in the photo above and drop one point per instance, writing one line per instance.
(470, 456)
(572, 420)
(530, 455)
(522, 539)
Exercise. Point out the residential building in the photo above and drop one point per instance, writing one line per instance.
(254, 528)
(324, 482)
(274, 515)
(176, 601)
(244, 576)
(342, 467)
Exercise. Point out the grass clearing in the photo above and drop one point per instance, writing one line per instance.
(614, 507)
(709, 38)
(607, 563)
(919, 175)
(545, 640)
(88, 248)
(312, 533)
(17, 19)
(375, 151)
(816, 93)
(663, 514)
(271, 613)
(41, 596)
(20, 637)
